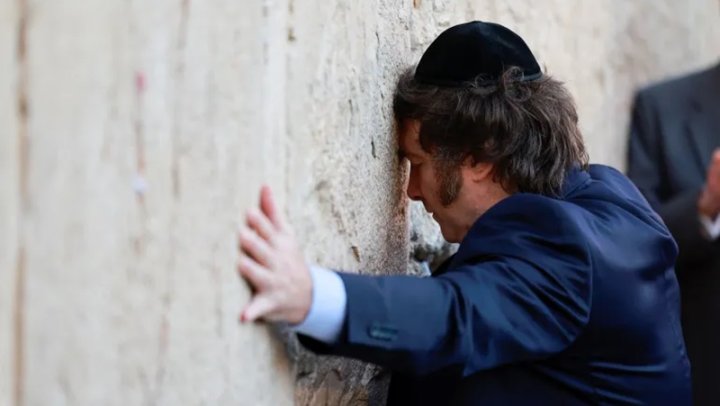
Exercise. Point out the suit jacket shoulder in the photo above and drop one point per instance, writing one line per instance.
(669, 94)
(526, 217)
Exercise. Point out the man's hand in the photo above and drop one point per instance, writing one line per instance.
(271, 262)
(709, 203)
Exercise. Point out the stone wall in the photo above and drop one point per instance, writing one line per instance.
(134, 133)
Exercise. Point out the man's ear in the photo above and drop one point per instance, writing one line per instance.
(478, 171)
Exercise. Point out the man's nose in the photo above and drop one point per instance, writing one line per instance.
(413, 189)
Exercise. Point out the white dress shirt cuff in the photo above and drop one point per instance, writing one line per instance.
(712, 227)
(325, 319)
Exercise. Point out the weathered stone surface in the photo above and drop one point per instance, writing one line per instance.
(10, 261)
(134, 133)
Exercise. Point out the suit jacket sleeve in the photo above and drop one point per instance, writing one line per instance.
(485, 312)
(647, 169)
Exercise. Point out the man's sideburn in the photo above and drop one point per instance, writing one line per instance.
(447, 174)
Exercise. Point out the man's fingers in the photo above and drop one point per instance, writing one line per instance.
(255, 247)
(251, 271)
(261, 224)
(268, 207)
(258, 307)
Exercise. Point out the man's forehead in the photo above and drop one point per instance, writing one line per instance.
(408, 136)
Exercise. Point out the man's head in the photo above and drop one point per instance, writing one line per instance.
(476, 129)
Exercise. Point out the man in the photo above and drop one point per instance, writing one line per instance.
(562, 290)
(675, 129)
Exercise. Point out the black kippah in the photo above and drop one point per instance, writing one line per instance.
(476, 49)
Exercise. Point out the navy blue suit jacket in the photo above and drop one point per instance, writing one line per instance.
(568, 300)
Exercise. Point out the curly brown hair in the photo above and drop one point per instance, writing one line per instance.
(528, 130)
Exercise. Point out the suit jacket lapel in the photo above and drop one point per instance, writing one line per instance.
(703, 123)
